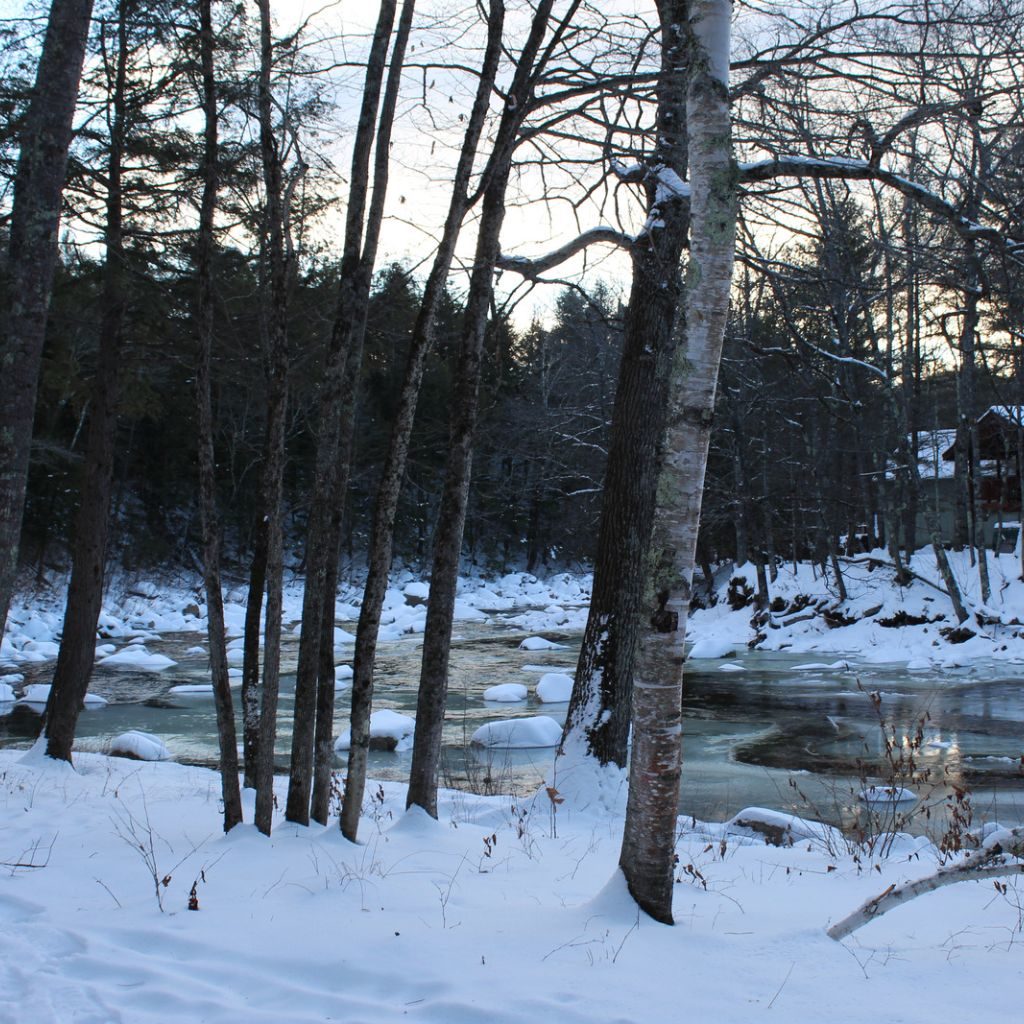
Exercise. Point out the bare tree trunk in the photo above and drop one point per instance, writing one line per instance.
(389, 489)
(339, 409)
(451, 519)
(89, 547)
(277, 406)
(647, 858)
(35, 217)
(251, 654)
(598, 720)
(210, 524)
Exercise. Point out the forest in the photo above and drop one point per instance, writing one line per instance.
(690, 284)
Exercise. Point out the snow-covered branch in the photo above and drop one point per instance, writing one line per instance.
(533, 268)
(850, 360)
(851, 169)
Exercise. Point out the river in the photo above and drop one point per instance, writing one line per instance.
(774, 730)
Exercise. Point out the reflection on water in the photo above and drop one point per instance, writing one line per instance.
(773, 734)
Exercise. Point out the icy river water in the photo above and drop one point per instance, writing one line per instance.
(773, 730)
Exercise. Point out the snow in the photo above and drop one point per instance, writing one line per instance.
(142, 746)
(37, 694)
(874, 795)
(712, 648)
(138, 658)
(7, 693)
(538, 643)
(506, 692)
(554, 688)
(204, 688)
(519, 733)
(385, 725)
(343, 676)
(504, 910)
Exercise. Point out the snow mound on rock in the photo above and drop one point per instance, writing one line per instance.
(37, 694)
(142, 746)
(538, 643)
(713, 648)
(554, 688)
(391, 730)
(506, 692)
(519, 733)
(137, 658)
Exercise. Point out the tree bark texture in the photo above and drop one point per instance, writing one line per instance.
(209, 520)
(647, 858)
(598, 720)
(339, 415)
(89, 543)
(35, 218)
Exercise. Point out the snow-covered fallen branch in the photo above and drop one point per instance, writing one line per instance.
(991, 860)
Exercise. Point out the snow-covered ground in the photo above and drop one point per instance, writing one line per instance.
(507, 909)
(504, 910)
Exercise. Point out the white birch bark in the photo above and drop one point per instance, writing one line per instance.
(648, 848)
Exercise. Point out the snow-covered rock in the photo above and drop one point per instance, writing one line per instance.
(506, 692)
(7, 693)
(389, 730)
(342, 676)
(554, 688)
(538, 643)
(712, 648)
(519, 733)
(137, 658)
(37, 694)
(142, 746)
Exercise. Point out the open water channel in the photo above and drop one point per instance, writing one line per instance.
(780, 732)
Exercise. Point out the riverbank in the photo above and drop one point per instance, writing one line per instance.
(878, 622)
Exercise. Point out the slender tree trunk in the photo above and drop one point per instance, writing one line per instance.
(251, 654)
(328, 500)
(647, 858)
(209, 520)
(451, 520)
(389, 489)
(35, 217)
(89, 547)
(276, 317)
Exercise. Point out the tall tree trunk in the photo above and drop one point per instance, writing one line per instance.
(276, 320)
(389, 489)
(209, 521)
(647, 858)
(338, 419)
(89, 546)
(35, 218)
(251, 653)
(598, 720)
(451, 519)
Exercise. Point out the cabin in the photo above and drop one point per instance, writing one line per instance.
(999, 475)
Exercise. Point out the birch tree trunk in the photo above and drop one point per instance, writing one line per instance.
(647, 858)
(35, 218)
(598, 719)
